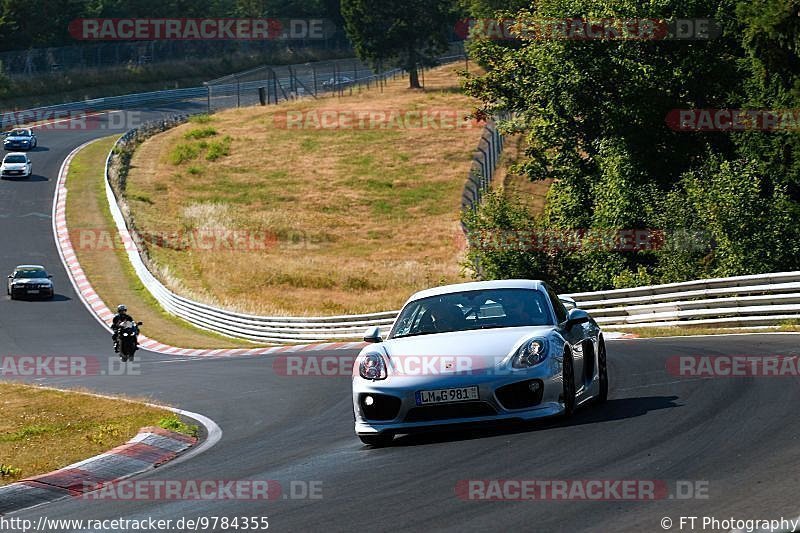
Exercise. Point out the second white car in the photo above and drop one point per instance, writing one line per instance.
(16, 165)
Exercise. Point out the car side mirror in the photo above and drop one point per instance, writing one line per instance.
(576, 317)
(50, 276)
(373, 335)
(140, 323)
(10, 276)
(568, 302)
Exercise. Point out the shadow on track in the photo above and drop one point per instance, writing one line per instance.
(32, 178)
(618, 409)
(56, 298)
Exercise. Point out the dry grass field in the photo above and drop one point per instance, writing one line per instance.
(44, 429)
(342, 220)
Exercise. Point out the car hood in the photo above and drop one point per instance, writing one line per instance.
(18, 139)
(480, 349)
(41, 281)
(15, 166)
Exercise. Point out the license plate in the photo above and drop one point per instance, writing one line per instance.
(461, 394)
(33, 291)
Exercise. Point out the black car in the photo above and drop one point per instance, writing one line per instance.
(30, 281)
(20, 139)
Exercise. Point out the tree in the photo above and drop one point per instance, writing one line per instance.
(594, 116)
(405, 33)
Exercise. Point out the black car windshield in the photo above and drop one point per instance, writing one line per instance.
(30, 274)
(20, 133)
(470, 310)
(15, 159)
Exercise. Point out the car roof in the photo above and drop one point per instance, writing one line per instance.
(479, 285)
(16, 153)
(29, 267)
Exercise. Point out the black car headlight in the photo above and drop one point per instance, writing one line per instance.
(372, 366)
(531, 353)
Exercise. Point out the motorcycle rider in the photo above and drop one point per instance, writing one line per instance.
(121, 316)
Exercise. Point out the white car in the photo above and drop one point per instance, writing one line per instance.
(477, 352)
(16, 165)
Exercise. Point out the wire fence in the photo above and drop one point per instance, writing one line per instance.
(96, 56)
(272, 84)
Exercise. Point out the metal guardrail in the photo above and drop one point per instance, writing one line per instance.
(757, 300)
(280, 82)
(766, 299)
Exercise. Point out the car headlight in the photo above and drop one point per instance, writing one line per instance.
(532, 353)
(372, 366)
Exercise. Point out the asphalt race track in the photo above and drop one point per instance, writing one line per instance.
(740, 435)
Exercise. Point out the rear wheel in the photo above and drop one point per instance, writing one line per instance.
(568, 378)
(377, 440)
(603, 372)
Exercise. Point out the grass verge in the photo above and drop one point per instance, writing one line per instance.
(105, 262)
(345, 219)
(681, 331)
(42, 429)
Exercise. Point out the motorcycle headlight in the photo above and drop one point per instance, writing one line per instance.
(372, 366)
(532, 353)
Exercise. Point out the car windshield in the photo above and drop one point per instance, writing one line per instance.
(470, 310)
(28, 274)
(20, 133)
(15, 159)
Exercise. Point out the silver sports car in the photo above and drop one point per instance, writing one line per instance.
(474, 352)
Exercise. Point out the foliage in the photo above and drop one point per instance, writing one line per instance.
(593, 112)
(406, 33)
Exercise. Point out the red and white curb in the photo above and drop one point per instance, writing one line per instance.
(104, 315)
(151, 448)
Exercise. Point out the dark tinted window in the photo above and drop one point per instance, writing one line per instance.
(469, 310)
(558, 307)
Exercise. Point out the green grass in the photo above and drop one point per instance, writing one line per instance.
(173, 423)
(682, 331)
(201, 119)
(200, 133)
(217, 149)
(184, 152)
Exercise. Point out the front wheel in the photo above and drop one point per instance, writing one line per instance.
(377, 440)
(568, 378)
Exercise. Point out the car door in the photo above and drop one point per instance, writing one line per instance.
(575, 337)
(28, 165)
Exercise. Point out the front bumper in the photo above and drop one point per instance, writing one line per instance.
(502, 396)
(17, 146)
(14, 173)
(32, 293)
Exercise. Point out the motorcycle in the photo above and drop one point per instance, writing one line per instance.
(127, 337)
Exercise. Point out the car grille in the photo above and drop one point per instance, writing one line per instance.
(452, 410)
(519, 395)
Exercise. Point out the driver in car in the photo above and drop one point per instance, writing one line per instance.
(520, 313)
